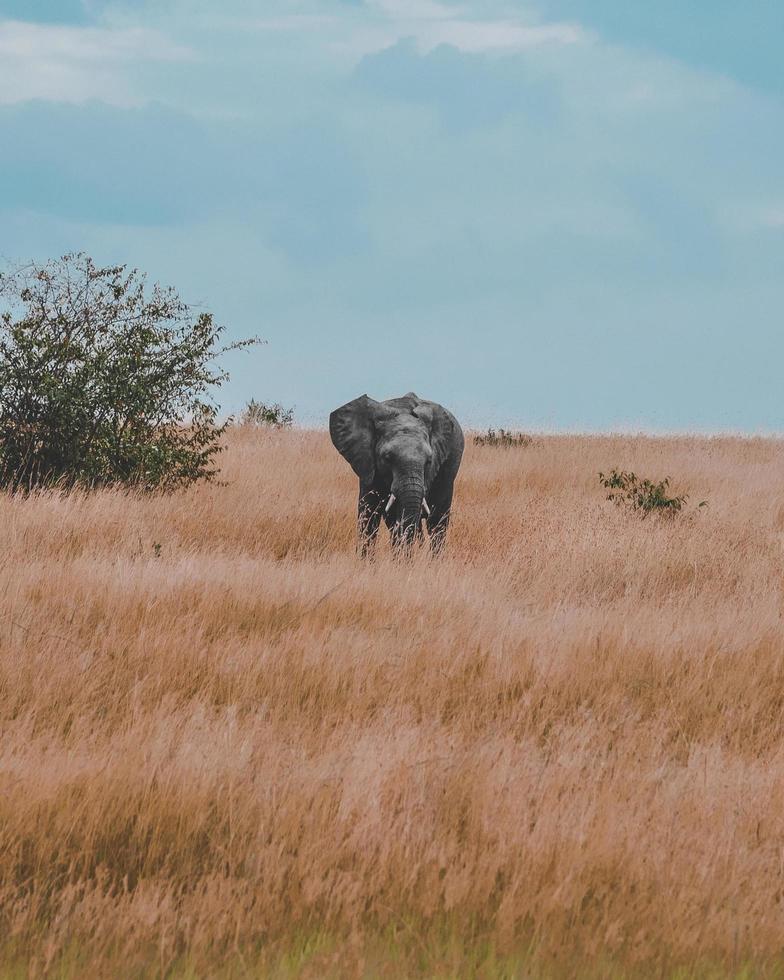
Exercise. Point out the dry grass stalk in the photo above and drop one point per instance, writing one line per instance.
(222, 732)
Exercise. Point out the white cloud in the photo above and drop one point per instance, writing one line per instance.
(774, 218)
(750, 217)
(291, 22)
(414, 9)
(498, 35)
(72, 64)
(433, 24)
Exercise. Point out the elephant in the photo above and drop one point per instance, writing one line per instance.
(406, 452)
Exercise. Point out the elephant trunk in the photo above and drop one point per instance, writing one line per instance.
(410, 495)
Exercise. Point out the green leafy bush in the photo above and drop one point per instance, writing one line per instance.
(104, 381)
(504, 439)
(259, 413)
(642, 495)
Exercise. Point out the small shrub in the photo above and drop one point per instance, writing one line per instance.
(259, 413)
(504, 439)
(104, 381)
(629, 490)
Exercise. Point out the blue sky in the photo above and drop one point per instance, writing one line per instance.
(559, 214)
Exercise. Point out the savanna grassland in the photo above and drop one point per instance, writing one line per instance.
(230, 748)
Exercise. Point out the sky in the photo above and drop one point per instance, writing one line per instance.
(555, 214)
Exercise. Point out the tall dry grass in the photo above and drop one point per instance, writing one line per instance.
(229, 746)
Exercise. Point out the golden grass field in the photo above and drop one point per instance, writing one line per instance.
(230, 748)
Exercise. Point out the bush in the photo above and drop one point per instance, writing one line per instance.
(104, 382)
(504, 439)
(642, 495)
(258, 413)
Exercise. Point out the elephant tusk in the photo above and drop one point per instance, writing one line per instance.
(389, 503)
(425, 508)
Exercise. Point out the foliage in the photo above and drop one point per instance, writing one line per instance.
(103, 381)
(504, 439)
(259, 413)
(642, 495)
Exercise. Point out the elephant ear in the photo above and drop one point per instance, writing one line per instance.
(442, 432)
(406, 403)
(353, 435)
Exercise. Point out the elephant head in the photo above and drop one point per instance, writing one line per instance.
(396, 448)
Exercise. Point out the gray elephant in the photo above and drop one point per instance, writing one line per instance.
(406, 452)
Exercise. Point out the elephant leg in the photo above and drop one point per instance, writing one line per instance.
(368, 522)
(438, 520)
